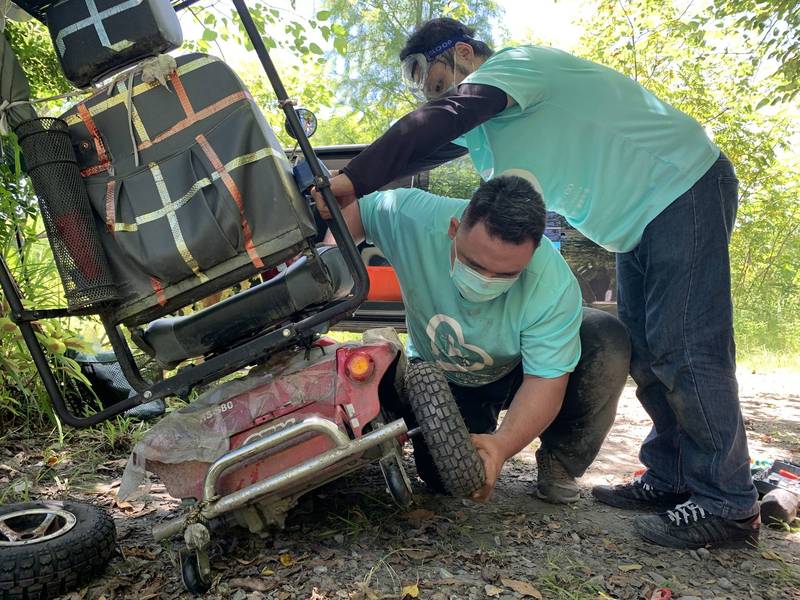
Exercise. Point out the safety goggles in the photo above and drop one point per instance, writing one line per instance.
(416, 67)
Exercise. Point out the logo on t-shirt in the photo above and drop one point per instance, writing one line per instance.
(527, 175)
(449, 349)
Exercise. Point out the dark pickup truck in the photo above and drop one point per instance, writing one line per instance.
(592, 265)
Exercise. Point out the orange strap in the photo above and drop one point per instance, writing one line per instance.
(99, 146)
(203, 113)
(180, 92)
(89, 171)
(230, 184)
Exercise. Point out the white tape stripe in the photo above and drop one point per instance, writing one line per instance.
(139, 88)
(170, 207)
(174, 226)
(95, 19)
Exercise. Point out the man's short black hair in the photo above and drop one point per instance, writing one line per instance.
(510, 209)
(434, 31)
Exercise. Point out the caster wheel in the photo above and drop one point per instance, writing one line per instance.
(397, 481)
(196, 579)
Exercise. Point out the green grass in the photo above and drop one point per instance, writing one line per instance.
(345, 336)
(355, 336)
(780, 574)
(763, 360)
(567, 579)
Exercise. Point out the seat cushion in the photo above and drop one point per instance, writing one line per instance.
(303, 284)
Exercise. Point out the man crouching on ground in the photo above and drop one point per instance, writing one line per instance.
(493, 304)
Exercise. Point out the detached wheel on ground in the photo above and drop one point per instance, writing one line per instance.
(445, 456)
(48, 548)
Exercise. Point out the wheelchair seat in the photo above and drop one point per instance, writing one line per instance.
(303, 284)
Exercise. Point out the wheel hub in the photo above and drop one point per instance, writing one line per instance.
(34, 525)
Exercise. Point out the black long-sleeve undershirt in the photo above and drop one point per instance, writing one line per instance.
(422, 138)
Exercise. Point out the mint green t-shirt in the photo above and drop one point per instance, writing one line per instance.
(604, 152)
(536, 321)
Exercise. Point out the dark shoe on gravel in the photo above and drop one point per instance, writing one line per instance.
(637, 495)
(553, 483)
(689, 526)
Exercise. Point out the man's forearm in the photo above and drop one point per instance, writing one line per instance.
(533, 408)
(421, 133)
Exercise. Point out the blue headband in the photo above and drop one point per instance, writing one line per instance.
(444, 46)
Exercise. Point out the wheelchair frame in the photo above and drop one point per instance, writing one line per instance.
(217, 366)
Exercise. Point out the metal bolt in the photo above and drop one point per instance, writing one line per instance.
(147, 395)
(286, 333)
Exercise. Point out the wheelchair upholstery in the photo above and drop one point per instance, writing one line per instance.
(303, 284)
(188, 185)
(190, 188)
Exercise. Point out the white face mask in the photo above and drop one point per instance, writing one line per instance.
(476, 287)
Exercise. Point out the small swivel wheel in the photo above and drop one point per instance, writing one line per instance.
(195, 571)
(397, 481)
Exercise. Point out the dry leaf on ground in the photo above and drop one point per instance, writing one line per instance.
(419, 515)
(522, 587)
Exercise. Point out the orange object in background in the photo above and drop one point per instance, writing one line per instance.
(383, 284)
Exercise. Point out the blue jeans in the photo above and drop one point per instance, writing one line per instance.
(675, 298)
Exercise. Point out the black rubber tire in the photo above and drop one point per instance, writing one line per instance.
(446, 458)
(49, 568)
(191, 575)
(398, 484)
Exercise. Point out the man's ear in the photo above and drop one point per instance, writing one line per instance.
(465, 52)
(451, 231)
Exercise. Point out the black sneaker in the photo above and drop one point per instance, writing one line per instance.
(637, 495)
(689, 526)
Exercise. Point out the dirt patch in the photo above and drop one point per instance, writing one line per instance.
(349, 541)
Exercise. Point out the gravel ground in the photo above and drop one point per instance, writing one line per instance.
(349, 541)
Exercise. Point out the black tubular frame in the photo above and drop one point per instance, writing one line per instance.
(218, 366)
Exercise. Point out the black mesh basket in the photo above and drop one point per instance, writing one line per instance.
(64, 202)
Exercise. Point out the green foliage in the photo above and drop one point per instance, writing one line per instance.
(22, 396)
(456, 179)
(771, 35)
(31, 44)
(280, 28)
(682, 62)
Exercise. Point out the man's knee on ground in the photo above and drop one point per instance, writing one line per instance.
(604, 337)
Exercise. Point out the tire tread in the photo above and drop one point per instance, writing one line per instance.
(458, 465)
(47, 569)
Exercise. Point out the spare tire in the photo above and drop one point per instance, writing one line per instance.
(445, 456)
(48, 548)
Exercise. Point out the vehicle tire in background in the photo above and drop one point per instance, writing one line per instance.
(48, 548)
(445, 456)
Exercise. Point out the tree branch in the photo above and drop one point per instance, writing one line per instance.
(633, 40)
